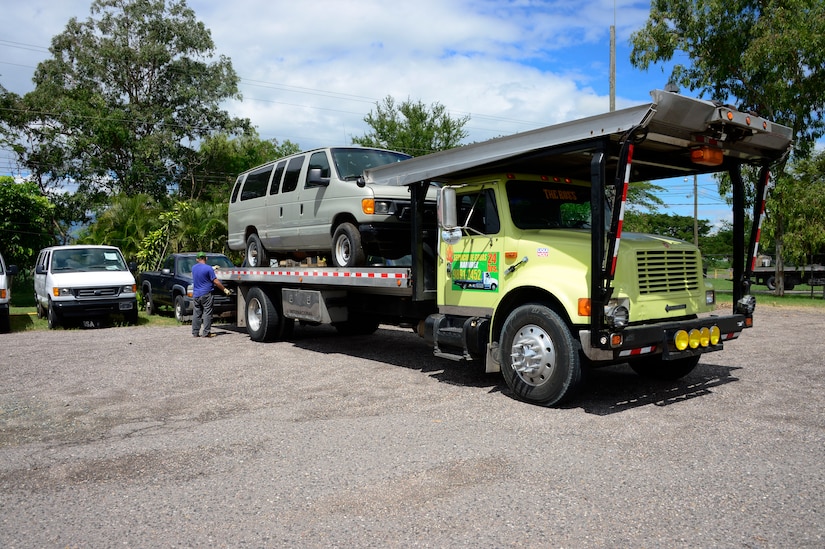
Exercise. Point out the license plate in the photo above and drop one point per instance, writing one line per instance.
(126, 306)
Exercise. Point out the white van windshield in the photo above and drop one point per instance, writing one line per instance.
(87, 259)
(351, 163)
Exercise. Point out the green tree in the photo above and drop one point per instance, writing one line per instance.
(124, 223)
(766, 56)
(675, 226)
(124, 96)
(413, 128)
(221, 158)
(25, 221)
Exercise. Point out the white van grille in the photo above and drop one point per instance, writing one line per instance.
(109, 291)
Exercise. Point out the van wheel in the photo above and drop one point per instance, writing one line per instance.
(54, 320)
(346, 247)
(539, 358)
(40, 312)
(5, 322)
(256, 255)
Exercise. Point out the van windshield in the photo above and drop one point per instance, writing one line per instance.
(87, 259)
(351, 163)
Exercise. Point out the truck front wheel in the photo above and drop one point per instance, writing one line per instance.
(656, 368)
(180, 309)
(264, 322)
(539, 357)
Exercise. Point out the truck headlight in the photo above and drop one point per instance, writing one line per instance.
(617, 313)
(710, 297)
(62, 292)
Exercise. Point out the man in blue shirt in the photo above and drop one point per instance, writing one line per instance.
(203, 278)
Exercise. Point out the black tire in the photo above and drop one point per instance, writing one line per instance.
(148, 303)
(256, 254)
(5, 322)
(655, 368)
(180, 309)
(347, 250)
(264, 321)
(40, 312)
(53, 317)
(540, 359)
(771, 283)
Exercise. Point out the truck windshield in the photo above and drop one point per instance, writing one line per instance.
(351, 163)
(547, 205)
(87, 259)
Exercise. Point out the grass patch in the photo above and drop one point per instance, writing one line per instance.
(800, 296)
(24, 319)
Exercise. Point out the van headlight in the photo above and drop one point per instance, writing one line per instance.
(384, 207)
(62, 292)
(132, 289)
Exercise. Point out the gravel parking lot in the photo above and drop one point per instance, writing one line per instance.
(147, 437)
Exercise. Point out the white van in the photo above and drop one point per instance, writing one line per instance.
(313, 203)
(6, 274)
(84, 282)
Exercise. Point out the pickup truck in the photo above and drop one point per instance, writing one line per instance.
(172, 286)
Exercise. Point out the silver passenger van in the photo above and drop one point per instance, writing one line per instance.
(311, 203)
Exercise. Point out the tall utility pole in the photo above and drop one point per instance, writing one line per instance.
(695, 211)
(613, 61)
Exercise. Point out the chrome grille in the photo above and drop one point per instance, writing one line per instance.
(109, 291)
(668, 271)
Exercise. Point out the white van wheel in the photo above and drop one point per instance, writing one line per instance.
(256, 255)
(346, 246)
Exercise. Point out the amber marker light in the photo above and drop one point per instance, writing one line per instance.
(681, 340)
(368, 206)
(715, 335)
(707, 156)
(584, 306)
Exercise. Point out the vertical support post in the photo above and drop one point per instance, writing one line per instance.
(597, 240)
(738, 190)
(758, 218)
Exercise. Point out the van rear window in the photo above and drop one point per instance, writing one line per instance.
(256, 183)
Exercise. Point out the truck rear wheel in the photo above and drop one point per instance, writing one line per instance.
(539, 357)
(148, 304)
(264, 321)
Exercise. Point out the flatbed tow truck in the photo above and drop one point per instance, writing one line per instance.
(531, 273)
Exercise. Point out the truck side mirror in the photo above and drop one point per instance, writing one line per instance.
(315, 180)
(447, 211)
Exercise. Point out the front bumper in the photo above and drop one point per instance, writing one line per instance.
(651, 339)
(94, 307)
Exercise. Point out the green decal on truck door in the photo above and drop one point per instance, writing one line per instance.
(475, 271)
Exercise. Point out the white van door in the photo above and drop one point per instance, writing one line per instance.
(288, 210)
(316, 204)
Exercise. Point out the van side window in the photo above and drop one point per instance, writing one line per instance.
(256, 183)
(276, 178)
(293, 174)
(320, 161)
(237, 189)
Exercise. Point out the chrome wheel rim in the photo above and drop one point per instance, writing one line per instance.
(533, 355)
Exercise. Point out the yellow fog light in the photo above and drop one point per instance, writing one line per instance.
(704, 337)
(680, 339)
(715, 335)
(694, 338)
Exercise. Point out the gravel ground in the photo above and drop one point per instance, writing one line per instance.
(147, 437)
